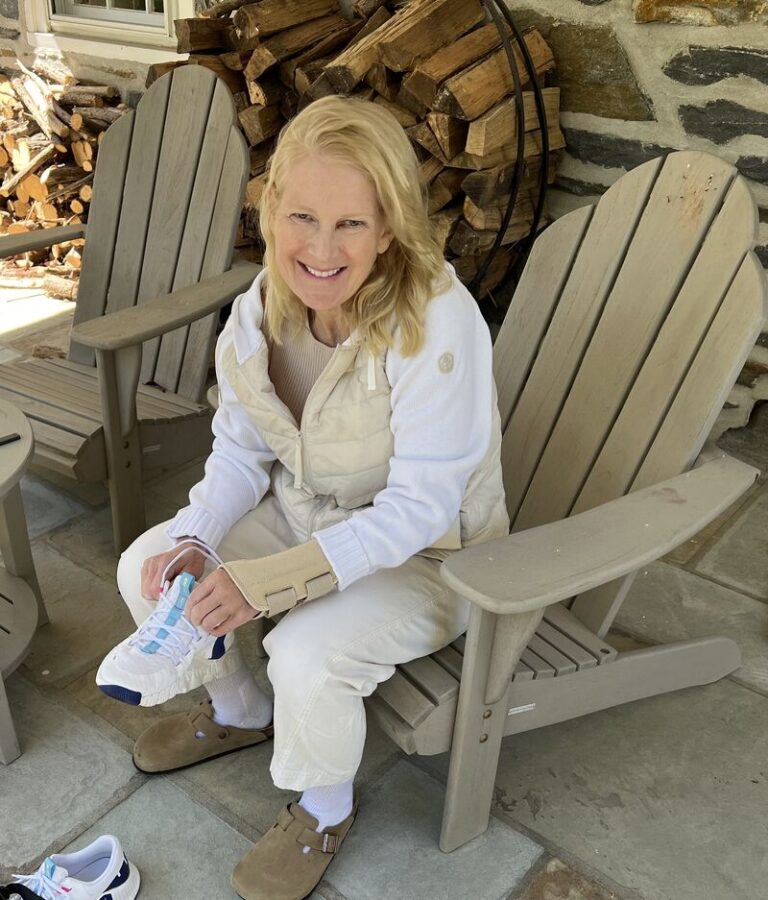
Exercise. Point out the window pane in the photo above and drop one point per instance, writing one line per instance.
(101, 3)
(138, 5)
(158, 6)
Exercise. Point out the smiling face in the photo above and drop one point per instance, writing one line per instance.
(327, 232)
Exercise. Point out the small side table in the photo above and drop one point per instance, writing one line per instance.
(21, 604)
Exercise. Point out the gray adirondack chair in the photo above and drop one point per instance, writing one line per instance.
(157, 265)
(629, 327)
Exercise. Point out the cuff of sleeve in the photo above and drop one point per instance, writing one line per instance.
(344, 552)
(196, 522)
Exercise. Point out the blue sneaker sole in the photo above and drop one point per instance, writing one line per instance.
(122, 694)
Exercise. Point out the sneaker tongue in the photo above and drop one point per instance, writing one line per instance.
(57, 874)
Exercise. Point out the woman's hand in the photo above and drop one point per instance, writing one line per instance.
(217, 605)
(193, 561)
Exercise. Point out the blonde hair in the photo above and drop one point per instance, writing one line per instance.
(409, 273)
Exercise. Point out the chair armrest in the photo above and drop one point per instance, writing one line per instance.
(532, 569)
(12, 244)
(129, 327)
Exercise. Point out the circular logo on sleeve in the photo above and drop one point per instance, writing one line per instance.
(445, 363)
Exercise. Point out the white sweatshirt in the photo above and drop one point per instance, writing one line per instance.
(442, 403)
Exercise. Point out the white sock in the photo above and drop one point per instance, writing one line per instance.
(239, 701)
(329, 805)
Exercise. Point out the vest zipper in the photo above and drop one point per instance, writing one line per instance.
(298, 465)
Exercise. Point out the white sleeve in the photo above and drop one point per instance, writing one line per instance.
(236, 472)
(442, 404)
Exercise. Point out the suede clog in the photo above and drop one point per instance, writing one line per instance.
(185, 739)
(278, 868)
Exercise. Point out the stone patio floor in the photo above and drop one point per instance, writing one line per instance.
(663, 799)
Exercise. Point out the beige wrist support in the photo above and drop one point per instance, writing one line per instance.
(276, 583)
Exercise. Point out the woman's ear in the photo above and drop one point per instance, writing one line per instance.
(385, 239)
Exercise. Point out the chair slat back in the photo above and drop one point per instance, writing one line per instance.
(641, 312)
(168, 192)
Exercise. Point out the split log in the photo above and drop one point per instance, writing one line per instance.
(288, 43)
(444, 223)
(260, 122)
(430, 168)
(255, 21)
(157, 70)
(61, 288)
(487, 186)
(475, 90)
(236, 60)
(422, 135)
(193, 35)
(54, 69)
(267, 92)
(488, 218)
(98, 118)
(71, 94)
(259, 156)
(445, 188)
(384, 82)
(508, 153)
(405, 117)
(420, 87)
(37, 105)
(467, 268)
(364, 9)
(425, 26)
(32, 166)
(450, 133)
(466, 240)
(233, 80)
(498, 127)
(321, 49)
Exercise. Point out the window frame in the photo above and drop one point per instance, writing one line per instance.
(99, 37)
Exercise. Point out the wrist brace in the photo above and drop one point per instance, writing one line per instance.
(276, 583)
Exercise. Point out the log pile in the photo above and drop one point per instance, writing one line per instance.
(437, 65)
(50, 130)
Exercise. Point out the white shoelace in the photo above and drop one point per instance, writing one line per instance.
(174, 640)
(40, 883)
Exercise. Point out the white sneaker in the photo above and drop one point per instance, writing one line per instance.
(99, 871)
(167, 655)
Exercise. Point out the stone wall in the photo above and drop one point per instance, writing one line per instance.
(641, 77)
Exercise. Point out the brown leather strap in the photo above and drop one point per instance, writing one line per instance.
(325, 843)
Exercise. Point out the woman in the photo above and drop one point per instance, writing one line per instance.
(356, 444)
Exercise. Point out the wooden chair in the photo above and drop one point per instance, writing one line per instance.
(168, 191)
(626, 333)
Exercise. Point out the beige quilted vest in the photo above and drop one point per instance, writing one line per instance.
(339, 460)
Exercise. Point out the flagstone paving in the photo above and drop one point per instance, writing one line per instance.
(663, 799)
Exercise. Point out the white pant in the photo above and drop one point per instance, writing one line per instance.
(329, 654)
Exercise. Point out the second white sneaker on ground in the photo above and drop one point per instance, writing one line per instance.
(98, 871)
(167, 655)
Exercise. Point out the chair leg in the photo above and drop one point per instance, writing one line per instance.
(480, 720)
(127, 501)
(14, 544)
(118, 378)
(9, 745)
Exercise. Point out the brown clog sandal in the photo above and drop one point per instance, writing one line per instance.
(185, 739)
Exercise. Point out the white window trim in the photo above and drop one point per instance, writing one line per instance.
(136, 43)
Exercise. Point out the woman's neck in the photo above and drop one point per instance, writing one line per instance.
(328, 326)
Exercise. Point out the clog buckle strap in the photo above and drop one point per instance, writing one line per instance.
(325, 843)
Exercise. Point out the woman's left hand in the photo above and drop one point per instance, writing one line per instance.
(217, 605)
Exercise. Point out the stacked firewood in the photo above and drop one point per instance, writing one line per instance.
(50, 129)
(437, 65)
